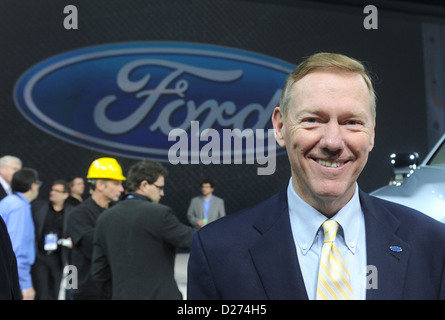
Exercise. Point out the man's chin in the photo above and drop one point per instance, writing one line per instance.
(334, 192)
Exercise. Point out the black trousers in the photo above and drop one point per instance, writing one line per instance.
(46, 274)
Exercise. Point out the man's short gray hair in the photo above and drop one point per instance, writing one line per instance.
(6, 161)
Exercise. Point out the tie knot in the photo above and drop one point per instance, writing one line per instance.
(330, 228)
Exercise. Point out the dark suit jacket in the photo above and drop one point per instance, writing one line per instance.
(134, 252)
(9, 279)
(40, 209)
(252, 255)
(2, 192)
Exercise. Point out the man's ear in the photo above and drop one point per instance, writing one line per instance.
(278, 125)
(100, 184)
(143, 184)
(371, 145)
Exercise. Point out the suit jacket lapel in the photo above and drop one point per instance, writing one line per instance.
(386, 267)
(200, 207)
(42, 212)
(274, 254)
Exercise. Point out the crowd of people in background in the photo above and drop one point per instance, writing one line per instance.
(121, 242)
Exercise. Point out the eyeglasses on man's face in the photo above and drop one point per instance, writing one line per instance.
(161, 188)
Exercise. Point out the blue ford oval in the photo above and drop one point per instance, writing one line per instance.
(395, 248)
(126, 98)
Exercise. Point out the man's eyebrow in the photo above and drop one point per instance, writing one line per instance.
(322, 111)
(311, 111)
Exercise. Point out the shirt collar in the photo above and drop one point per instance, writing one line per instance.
(135, 195)
(349, 218)
(306, 221)
(210, 199)
(22, 197)
(5, 186)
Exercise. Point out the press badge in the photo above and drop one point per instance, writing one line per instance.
(50, 242)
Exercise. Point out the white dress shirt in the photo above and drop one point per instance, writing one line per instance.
(308, 236)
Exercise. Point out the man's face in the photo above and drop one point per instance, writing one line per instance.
(8, 171)
(57, 194)
(155, 191)
(206, 189)
(78, 186)
(112, 189)
(328, 133)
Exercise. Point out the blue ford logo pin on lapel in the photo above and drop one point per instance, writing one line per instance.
(395, 249)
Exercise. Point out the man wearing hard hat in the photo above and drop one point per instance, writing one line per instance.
(105, 179)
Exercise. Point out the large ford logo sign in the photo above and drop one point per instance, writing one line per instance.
(127, 98)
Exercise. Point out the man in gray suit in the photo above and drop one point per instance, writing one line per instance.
(206, 208)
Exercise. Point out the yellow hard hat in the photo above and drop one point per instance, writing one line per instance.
(105, 168)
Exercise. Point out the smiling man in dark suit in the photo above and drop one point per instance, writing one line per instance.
(279, 248)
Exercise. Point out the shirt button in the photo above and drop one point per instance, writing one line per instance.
(352, 244)
(304, 246)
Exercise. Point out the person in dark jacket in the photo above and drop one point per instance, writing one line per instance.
(9, 277)
(50, 226)
(105, 179)
(135, 241)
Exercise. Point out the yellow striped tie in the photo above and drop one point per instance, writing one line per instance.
(333, 276)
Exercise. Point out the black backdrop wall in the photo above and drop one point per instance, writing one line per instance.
(32, 31)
